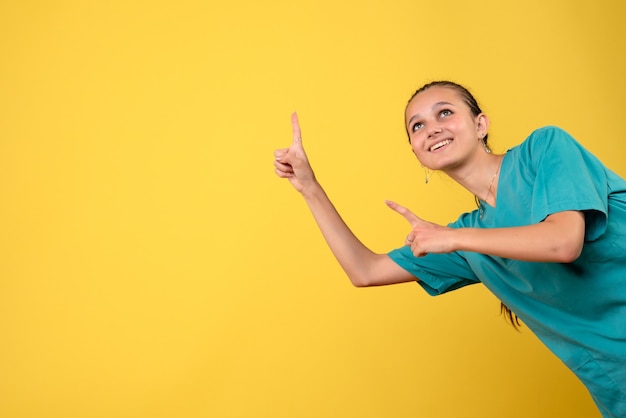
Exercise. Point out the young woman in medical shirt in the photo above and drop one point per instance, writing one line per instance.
(548, 237)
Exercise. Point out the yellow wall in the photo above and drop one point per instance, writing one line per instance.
(152, 265)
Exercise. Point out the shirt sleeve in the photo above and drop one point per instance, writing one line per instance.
(436, 273)
(567, 177)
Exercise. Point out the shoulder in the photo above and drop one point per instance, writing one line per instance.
(548, 136)
(547, 139)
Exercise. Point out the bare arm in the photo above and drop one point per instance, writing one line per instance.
(363, 266)
(559, 238)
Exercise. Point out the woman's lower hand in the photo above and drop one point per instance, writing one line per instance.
(425, 237)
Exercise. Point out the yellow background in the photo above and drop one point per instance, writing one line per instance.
(152, 264)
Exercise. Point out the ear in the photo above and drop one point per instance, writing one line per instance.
(482, 125)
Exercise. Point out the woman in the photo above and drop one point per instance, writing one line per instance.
(548, 237)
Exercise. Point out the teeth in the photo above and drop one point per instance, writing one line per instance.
(440, 144)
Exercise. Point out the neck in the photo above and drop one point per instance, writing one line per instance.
(480, 177)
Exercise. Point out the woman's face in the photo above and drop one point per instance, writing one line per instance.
(443, 132)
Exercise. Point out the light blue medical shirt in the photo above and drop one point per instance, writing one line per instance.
(577, 309)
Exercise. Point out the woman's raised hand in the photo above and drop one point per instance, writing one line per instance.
(292, 163)
(362, 265)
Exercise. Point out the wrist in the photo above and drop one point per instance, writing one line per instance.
(459, 238)
(311, 189)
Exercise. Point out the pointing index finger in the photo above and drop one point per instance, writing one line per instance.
(295, 126)
(406, 213)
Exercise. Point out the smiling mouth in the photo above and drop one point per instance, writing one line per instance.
(440, 144)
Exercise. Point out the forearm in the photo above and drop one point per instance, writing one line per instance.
(557, 239)
(363, 266)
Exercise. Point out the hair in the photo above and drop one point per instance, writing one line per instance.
(509, 316)
(475, 109)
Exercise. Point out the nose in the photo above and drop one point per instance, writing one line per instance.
(434, 130)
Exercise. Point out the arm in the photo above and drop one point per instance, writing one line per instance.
(363, 266)
(559, 238)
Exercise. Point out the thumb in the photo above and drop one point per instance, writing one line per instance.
(411, 218)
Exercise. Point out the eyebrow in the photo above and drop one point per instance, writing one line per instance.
(438, 104)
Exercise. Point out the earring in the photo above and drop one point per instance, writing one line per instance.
(487, 149)
(427, 173)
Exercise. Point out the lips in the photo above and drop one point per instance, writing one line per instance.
(440, 144)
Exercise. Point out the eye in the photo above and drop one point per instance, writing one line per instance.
(416, 126)
(445, 112)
